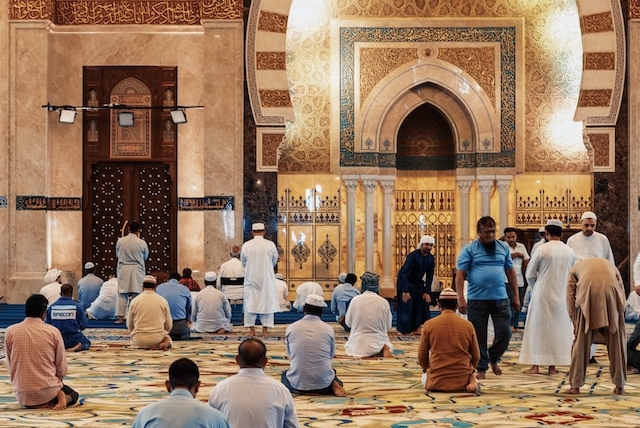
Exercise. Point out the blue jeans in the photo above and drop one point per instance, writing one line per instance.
(478, 312)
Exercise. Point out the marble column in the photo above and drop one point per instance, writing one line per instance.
(503, 183)
(464, 184)
(388, 185)
(351, 184)
(485, 186)
(370, 184)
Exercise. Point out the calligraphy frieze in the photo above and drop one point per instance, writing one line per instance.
(43, 203)
(207, 203)
(29, 9)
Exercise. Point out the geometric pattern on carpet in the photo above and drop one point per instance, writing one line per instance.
(115, 381)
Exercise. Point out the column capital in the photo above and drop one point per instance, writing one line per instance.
(369, 184)
(388, 184)
(464, 183)
(503, 182)
(485, 185)
(351, 182)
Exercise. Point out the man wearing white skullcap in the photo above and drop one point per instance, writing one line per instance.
(448, 350)
(549, 268)
(413, 287)
(211, 308)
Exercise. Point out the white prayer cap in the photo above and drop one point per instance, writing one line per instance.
(427, 239)
(257, 227)
(554, 222)
(89, 265)
(588, 214)
(280, 276)
(210, 276)
(342, 277)
(541, 230)
(315, 300)
(448, 294)
(149, 279)
(52, 275)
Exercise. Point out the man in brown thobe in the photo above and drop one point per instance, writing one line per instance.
(449, 351)
(595, 301)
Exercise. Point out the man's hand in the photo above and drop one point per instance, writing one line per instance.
(516, 303)
(426, 297)
(406, 297)
(462, 305)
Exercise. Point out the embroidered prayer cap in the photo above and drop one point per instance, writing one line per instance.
(315, 300)
(257, 227)
(342, 277)
(89, 265)
(554, 222)
(210, 276)
(280, 276)
(427, 239)
(588, 214)
(448, 294)
(52, 275)
(370, 282)
(149, 279)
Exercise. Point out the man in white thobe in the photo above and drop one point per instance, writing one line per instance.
(231, 276)
(52, 289)
(259, 256)
(104, 307)
(131, 252)
(282, 289)
(305, 289)
(211, 309)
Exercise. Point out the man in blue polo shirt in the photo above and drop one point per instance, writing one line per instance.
(483, 263)
(179, 298)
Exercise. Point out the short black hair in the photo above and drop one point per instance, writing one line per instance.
(312, 310)
(175, 275)
(35, 305)
(351, 278)
(510, 229)
(448, 304)
(553, 230)
(484, 222)
(186, 272)
(134, 226)
(252, 353)
(183, 373)
(66, 289)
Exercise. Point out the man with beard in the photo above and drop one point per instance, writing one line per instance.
(483, 264)
(414, 287)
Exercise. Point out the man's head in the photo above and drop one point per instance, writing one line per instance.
(235, 251)
(510, 236)
(448, 299)
(53, 275)
(486, 229)
(175, 275)
(342, 278)
(186, 272)
(588, 223)
(89, 267)
(351, 278)
(426, 243)
(258, 229)
(542, 232)
(36, 306)
(314, 305)
(149, 282)
(66, 290)
(554, 228)
(184, 373)
(252, 353)
(210, 278)
(370, 282)
(134, 227)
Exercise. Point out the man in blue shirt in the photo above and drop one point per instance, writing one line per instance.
(179, 298)
(89, 286)
(341, 297)
(310, 343)
(69, 317)
(181, 409)
(483, 263)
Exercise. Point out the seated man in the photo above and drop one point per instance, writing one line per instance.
(231, 276)
(149, 319)
(181, 409)
(52, 289)
(179, 298)
(68, 316)
(188, 281)
(211, 309)
(310, 344)
(448, 352)
(369, 317)
(89, 286)
(342, 296)
(36, 360)
(104, 307)
(282, 289)
(305, 289)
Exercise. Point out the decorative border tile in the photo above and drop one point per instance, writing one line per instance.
(44, 203)
(267, 142)
(603, 147)
(4, 202)
(207, 203)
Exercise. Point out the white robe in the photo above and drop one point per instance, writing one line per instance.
(370, 318)
(304, 290)
(587, 247)
(548, 332)
(131, 252)
(259, 256)
(104, 307)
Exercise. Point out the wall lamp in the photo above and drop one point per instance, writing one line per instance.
(178, 116)
(125, 118)
(68, 113)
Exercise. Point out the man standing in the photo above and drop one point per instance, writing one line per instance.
(370, 319)
(89, 286)
(131, 252)
(413, 291)
(179, 298)
(520, 258)
(251, 398)
(448, 350)
(259, 256)
(595, 301)
(52, 289)
(548, 334)
(149, 319)
(342, 296)
(36, 360)
(69, 317)
(310, 344)
(181, 409)
(231, 276)
(211, 309)
(483, 264)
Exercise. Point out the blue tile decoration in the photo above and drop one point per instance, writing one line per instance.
(4, 203)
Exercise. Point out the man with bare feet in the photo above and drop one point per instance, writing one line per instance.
(310, 344)
(448, 352)
(149, 319)
(69, 317)
(595, 301)
(483, 264)
(36, 360)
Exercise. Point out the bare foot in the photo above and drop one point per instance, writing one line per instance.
(618, 390)
(252, 331)
(473, 384)
(572, 391)
(75, 348)
(532, 370)
(265, 332)
(120, 320)
(481, 375)
(62, 401)
(553, 370)
(338, 390)
(386, 352)
(495, 368)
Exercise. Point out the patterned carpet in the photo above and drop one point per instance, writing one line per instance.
(115, 381)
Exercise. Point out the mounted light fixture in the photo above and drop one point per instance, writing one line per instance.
(125, 118)
(67, 116)
(178, 116)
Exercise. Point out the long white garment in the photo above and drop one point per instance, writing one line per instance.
(594, 246)
(104, 307)
(303, 291)
(211, 311)
(131, 252)
(259, 256)
(282, 290)
(232, 268)
(548, 332)
(370, 318)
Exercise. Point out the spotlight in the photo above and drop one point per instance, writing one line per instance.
(125, 118)
(67, 116)
(178, 116)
